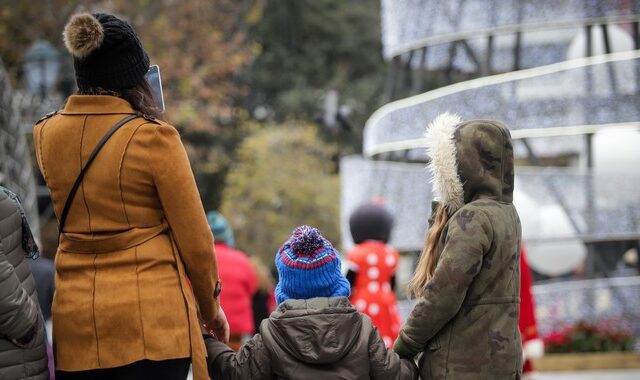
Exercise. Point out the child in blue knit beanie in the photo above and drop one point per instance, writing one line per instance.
(315, 333)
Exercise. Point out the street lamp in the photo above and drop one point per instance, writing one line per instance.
(41, 64)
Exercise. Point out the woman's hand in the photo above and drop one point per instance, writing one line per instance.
(219, 326)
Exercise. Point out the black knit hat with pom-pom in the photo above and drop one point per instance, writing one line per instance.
(107, 52)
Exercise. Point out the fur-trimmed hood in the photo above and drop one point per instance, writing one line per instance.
(469, 160)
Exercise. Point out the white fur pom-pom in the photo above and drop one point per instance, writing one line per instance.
(441, 149)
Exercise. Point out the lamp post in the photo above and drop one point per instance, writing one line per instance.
(41, 64)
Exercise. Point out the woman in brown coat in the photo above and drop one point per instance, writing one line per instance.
(136, 229)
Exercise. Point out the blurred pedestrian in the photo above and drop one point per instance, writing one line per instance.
(372, 269)
(315, 333)
(131, 221)
(43, 271)
(467, 280)
(239, 280)
(23, 353)
(264, 301)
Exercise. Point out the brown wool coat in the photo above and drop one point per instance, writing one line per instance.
(136, 229)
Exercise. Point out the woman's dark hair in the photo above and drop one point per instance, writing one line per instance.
(139, 96)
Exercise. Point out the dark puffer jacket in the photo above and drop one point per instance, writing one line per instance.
(319, 338)
(19, 311)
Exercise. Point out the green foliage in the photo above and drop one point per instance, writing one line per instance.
(310, 46)
(283, 177)
(201, 47)
(220, 59)
(23, 22)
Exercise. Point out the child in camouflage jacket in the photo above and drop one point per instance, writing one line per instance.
(465, 322)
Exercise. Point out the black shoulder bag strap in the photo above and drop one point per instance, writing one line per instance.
(76, 185)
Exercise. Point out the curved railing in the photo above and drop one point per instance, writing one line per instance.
(409, 25)
(404, 188)
(587, 207)
(570, 97)
(563, 304)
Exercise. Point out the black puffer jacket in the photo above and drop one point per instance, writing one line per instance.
(20, 319)
(314, 339)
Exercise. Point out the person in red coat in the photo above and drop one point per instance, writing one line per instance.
(532, 345)
(372, 267)
(239, 281)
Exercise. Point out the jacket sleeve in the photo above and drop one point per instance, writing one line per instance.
(469, 236)
(18, 312)
(386, 364)
(182, 206)
(251, 362)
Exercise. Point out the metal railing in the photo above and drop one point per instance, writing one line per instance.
(582, 95)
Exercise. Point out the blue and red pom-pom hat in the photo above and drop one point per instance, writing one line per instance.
(309, 267)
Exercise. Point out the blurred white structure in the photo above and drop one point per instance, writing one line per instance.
(563, 75)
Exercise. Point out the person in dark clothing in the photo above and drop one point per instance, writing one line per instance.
(43, 271)
(263, 300)
(239, 279)
(23, 353)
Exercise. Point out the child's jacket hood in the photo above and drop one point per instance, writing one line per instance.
(316, 330)
(470, 160)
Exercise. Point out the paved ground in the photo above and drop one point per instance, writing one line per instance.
(586, 375)
(589, 375)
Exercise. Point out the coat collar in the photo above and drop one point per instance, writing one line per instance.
(313, 305)
(96, 104)
(441, 148)
(469, 160)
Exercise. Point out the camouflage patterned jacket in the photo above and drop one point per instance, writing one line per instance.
(466, 323)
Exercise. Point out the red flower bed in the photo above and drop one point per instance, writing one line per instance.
(588, 337)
